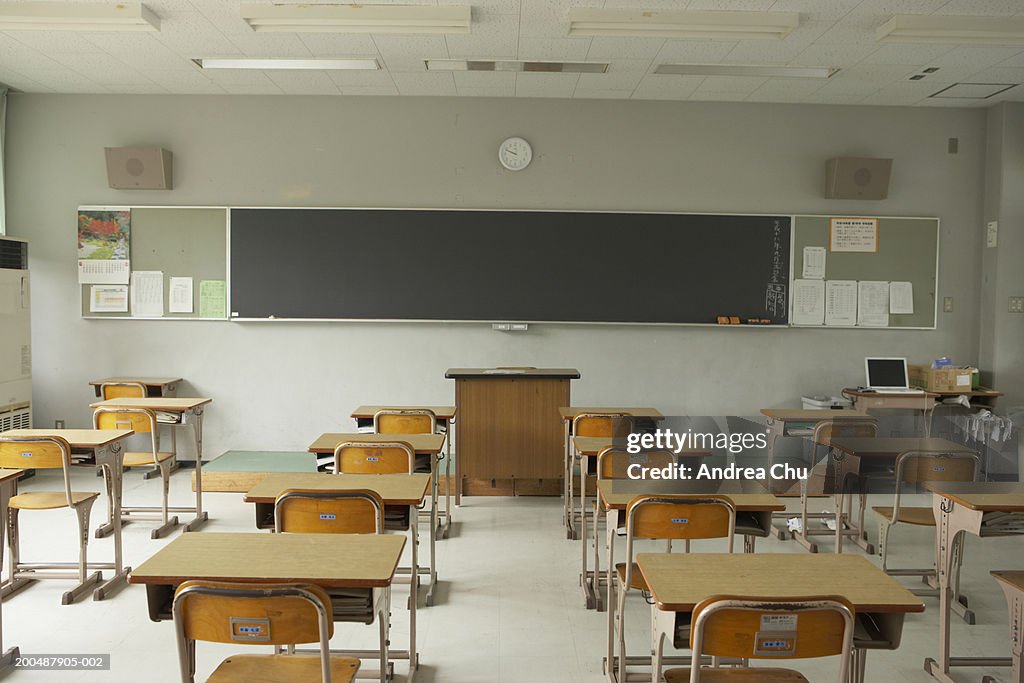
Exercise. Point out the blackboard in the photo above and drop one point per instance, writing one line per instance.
(531, 266)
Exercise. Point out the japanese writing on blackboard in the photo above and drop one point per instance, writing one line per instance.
(775, 295)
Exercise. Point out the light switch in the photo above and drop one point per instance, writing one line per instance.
(1017, 304)
(947, 304)
(992, 234)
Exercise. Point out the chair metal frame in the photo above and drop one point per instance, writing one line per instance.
(572, 459)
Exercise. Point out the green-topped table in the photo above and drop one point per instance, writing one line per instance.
(239, 471)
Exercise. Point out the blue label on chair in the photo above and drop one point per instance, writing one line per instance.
(327, 515)
(372, 459)
(938, 468)
(26, 454)
(680, 520)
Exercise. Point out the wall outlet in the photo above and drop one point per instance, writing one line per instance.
(992, 234)
(947, 304)
(1017, 304)
(58, 424)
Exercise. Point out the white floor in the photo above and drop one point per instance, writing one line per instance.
(508, 608)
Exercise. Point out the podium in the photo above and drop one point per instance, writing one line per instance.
(509, 435)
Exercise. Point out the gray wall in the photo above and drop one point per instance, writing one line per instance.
(279, 385)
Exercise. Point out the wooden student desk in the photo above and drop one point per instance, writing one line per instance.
(422, 444)
(239, 471)
(986, 510)
(8, 489)
(924, 403)
(104, 446)
(187, 411)
(445, 416)
(325, 560)
(567, 414)
(1012, 583)
(678, 582)
(166, 387)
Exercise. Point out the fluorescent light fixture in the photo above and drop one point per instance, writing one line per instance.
(309, 18)
(952, 30)
(709, 25)
(73, 16)
(290, 64)
(740, 70)
(511, 65)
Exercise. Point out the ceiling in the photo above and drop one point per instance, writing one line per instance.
(834, 33)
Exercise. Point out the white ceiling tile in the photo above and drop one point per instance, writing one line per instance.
(493, 36)
(552, 49)
(840, 55)
(614, 47)
(717, 96)
(999, 74)
(549, 18)
(545, 85)
(498, 90)
(338, 44)
(836, 86)
(731, 84)
(270, 45)
(59, 42)
(433, 83)
(890, 7)
(598, 94)
(622, 74)
(303, 82)
(369, 90)
(267, 88)
(921, 55)
(824, 98)
(362, 79)
(1016, 60)
(994, 8)
(976, 57)
(816, 10)
(21, 82)
(694, 51)
(659, 87)
(484, 79)
(225, 77)
(497, 6)
(791, 88)
(731, 5)
(406, 53)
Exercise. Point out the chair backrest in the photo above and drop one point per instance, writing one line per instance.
(404, 421)
(359, 457)
(37, 453)
(614, 462)
(826, 430)
(142, 420)
(602, 424)
(772, 628)
(915, 467)
(252, 614)
(109, 390)
(357, 511)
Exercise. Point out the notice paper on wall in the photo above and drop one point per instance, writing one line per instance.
(213, 300)
(814, 263)
(808, 302)
(179, 298)
(872, 303)
(901, 297)
(841, 302)
(108, 299)
(853, 234)
(147, 292)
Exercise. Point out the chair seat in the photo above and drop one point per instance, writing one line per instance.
(282, 669)
(725, 675)
(49, 500)
(138, 458)
(918, 516)
(638, 582)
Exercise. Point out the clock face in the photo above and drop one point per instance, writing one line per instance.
(515, 154)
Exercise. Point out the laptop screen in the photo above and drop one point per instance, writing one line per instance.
(887, 372)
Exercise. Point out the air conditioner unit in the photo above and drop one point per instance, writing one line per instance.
(15, 342)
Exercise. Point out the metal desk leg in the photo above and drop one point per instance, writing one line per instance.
(610, 663)
(414, 659)
(447, 525)
(110, 457)
(433, 534)
(197, 429)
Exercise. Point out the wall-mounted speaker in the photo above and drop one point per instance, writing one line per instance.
(139, 168)
(857, 178)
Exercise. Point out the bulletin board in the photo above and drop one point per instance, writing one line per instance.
(188, 242)
(906, 250)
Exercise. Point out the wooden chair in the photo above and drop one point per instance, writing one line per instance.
(731, 626)
(590, 424)
(664, 517)
(111, 390)
(394, 457)
(259, 614)
(143, 421)
(416, 421)
(358, 511)
(42, 453)
(913, 468)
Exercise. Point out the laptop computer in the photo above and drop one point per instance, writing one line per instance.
(889, 376)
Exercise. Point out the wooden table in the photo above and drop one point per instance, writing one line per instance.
(239, 471)
(166, 387)
(325, 560)
(445, 416)
(186, 411)
(567, 414)
(507, 433)
(422, 444)
(8, 489)
(1012, 583)
(986, 510)
(923, 402)
(104, 445)
(678, 582)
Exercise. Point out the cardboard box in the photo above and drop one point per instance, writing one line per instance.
(946, 380)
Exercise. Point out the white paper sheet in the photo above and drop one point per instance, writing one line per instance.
(901, 297)
(853, 234)
(840, 302)
(103, 272)
(108, 299)
(147, 293)
(814, 263)
(872, 303)
(808, 302)
(179, 299)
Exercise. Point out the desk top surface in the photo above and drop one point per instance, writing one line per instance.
(592, 445)
(679, 581)
(980, 392)
(1013, 579)
(421, 443)
(10, 475)
(440, 412)
(866, 446)
(513, 373)
(328, 560)
(800, 415)
(569, 412)
(395, 489)
(747, 496)
(77, 438)
(154, 403)
(984, 496)
(147, 381)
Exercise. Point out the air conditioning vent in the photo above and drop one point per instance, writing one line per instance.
(19, 417)
(13, 254)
